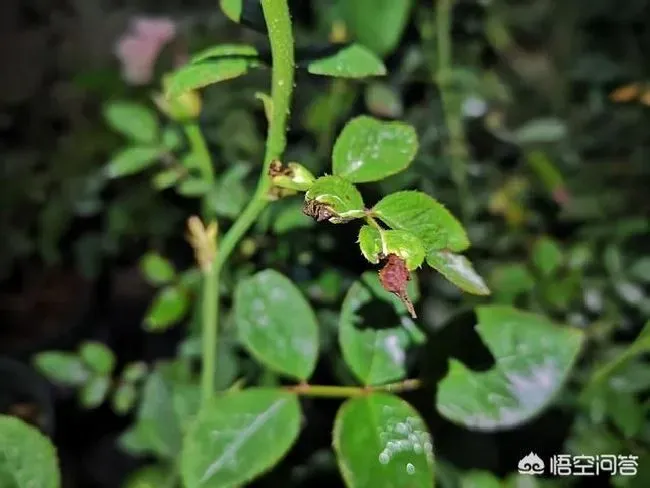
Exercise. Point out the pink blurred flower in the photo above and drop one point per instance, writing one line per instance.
(139, 47)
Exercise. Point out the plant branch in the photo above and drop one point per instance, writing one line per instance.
(209, 296)
(210, 329)
(278, 20)
(200, 151)
(325, 391)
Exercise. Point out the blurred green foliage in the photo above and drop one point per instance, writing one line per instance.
(545, 107)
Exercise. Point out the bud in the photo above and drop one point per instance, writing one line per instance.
(293, 176)
(339, 32)
(181, 108)
(394, 277)
(203, 240)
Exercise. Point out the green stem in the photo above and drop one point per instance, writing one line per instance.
(406, 385)
(200, 151)
(210, 329)
(457, 148)
(278, 20)
(209, 298)
(325, 391)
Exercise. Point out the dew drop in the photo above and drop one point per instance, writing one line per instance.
(428, 450)
(410, 469)
(384, 457)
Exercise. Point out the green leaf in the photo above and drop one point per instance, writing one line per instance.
(232, 9)
(132, 441)
(375, 245)
(135, 121)
(267, 103)
(187, 397)
(375, 355)
(229, 196)
(290, 217)
(171, 139)
(157, 427)
(627, 413)
(480, 479)
(169, 306)
(562, 291)
(225, 50)
(134, 371)
(533, 358)
(459, 271)
(381, 441)
(194, 76)
(383, 100)
(65, 368)
(150, 477)
(354, 61)
(641, 345)
(166, 178)
(124, 398)
(156, 269)
(547, 256)
(370, 150)
(641, 269)
(370, 243)
(193, 187)
(239, 436)
(377, 24)
(338, 196)
(191, 278)
(596, 438)
(94, 391)
(425, 218)
(99, 357)
(27, 458)
(510, 281)
(132, 160)
(406, 246)
(613, 259)
(543, 130)
(276, 324)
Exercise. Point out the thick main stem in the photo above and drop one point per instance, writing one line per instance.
(278, 21)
